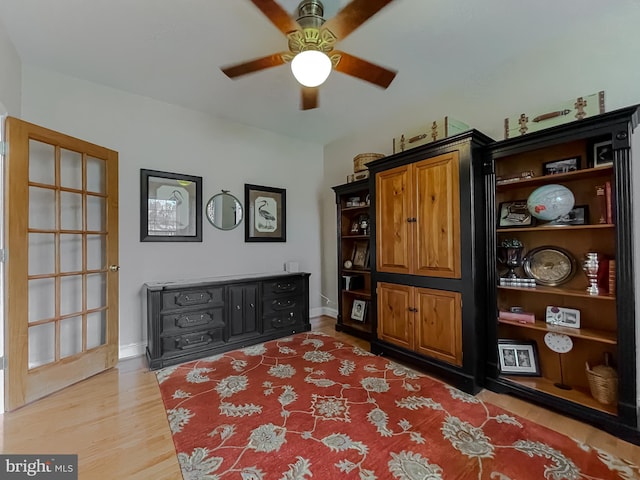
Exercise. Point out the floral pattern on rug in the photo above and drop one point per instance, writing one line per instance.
(310, 406)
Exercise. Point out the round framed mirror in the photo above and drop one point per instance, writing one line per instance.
(224, 211)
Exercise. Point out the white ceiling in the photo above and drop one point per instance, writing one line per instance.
(171, 50)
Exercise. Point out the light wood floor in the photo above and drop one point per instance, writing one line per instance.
(117, 425)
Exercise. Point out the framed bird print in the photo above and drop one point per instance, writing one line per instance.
(266, 214)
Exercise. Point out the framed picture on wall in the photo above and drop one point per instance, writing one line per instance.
(170, 207)
(266, 219)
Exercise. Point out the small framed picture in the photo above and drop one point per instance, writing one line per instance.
(358, 310)
(518, 357)
(602, 153)
(563, 317)
(565, 165)
(355, 227)
(514, 214)
(579, 215)
(360, 254)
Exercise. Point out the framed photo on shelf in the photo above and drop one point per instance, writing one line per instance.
(563, 317)
(358, 310)
(578, 215)
(360, 254)
(518, 357)
(514, 214)
(602, 153)
(355, 227)
(565, 165)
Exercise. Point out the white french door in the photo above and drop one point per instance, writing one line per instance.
(61, 223)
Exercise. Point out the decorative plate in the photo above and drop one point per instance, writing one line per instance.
(549, 265)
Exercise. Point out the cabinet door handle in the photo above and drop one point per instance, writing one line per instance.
(412, 219)
(412, 309)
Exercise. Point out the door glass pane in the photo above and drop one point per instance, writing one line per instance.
(70, 294)
(96, 329)
(42, 299)
(70, 169)
(96, 174)
(70, 336)
(41, 162)
(70, 211)
(42, 253)
(95, 252)
(42, 208)
(42, 344)
(96, 216)
(70, 253)
(96, 291)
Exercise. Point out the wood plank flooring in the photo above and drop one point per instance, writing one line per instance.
(116, 423)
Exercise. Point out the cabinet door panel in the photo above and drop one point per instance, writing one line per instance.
(394, 318)
(243, 313)
(437, 207)
(393, 230)
(439, 324)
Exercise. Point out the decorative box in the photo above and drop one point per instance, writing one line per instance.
(575, 109)
(360, 161)
(437, 130)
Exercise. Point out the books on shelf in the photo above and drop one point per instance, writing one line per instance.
(605, 208)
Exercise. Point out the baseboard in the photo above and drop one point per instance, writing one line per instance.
(131, 350)
(320, 311)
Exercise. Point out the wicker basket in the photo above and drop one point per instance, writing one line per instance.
(360, 161)
(603, 382)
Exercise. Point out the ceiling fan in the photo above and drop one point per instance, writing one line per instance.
(311, 33)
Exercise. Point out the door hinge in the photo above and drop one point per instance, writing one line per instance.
(3, 363)
(3, 147)
(3, 255)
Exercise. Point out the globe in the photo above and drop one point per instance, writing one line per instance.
(550, 202)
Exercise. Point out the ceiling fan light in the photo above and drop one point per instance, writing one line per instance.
(311, 67)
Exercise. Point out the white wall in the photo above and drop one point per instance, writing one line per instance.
(159, 136)
(10, 84)
(604, 58)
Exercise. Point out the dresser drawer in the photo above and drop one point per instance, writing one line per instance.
(281, 303)
(186, 342)
(283, 286)
(174, 299)
(283, 319)
(177, 322)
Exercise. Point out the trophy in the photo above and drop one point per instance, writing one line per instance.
(510, 255)
(590, 266)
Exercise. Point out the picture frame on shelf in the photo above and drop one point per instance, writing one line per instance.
(360, 254)
(266, 214)
(358, 310)
(518, 357)
(170, 207)
(602, 153)
(562, 317)
(564, 165)
(579, 215)
(355, 227)
(514, 214)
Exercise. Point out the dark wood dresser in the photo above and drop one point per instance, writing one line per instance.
(191, 319)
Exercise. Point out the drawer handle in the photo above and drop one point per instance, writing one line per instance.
(191, 342)
(282, 304)
(285, 287)
(193, 320)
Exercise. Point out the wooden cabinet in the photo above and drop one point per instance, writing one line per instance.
(187, 320)
(425, 320)
(354, 220)
(430, 257)
(418, 218)
(592, 159)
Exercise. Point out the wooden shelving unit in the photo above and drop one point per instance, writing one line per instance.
(350, 245)
(607, 319)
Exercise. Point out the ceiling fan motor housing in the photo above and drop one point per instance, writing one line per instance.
(310, 14)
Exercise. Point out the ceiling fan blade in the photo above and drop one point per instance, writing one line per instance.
(233, 71)
(278, 16)
(364, 70)
(353, 15)
(309, 98)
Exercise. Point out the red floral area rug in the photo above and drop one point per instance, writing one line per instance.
(311, 407)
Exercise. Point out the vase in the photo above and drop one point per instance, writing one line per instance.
(511, 257)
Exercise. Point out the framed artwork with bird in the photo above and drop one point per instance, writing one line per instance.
(266, 219)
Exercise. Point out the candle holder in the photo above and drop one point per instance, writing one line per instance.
(590, 265)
